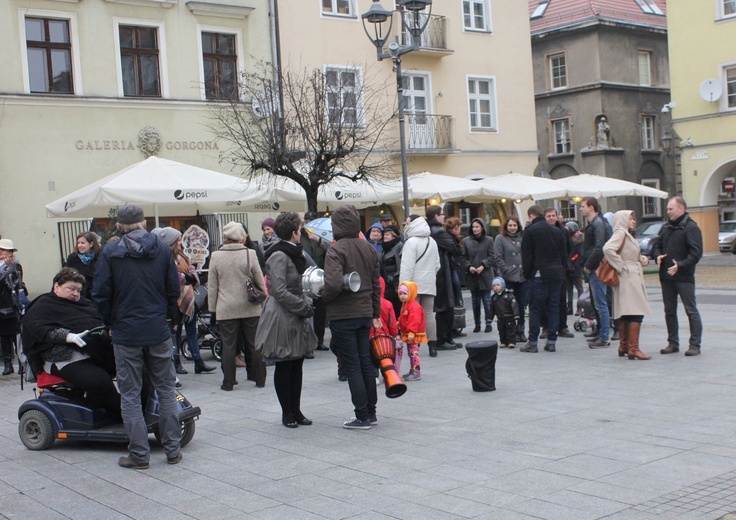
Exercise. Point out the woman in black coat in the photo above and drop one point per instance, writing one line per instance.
(84, 259)
(12, 300)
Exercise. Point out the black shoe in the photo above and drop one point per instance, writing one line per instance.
(593, 339)
(569, 311)
(8, 368)
(550, 347)
(303, 421)
(290, 423)
(599, 343)
(444, 346)
(201, 368)
(322, 347)
(174, 459)
(432, 348)
(343, 377)
(476, 328)
(227, 388)
(614, 336)
(458, 333)
(373, 418)
(488, 328)
(529, 347)
(565, 333)
(130, 462)
(544, 334)
(521, 338)
(181, 370)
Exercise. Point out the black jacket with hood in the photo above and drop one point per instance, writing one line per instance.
(479, 251)
(136, 288)
(351, 253)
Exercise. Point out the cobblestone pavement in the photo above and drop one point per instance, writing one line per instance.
(578, 434)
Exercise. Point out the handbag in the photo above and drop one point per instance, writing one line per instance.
(606, 273)
(255, 295)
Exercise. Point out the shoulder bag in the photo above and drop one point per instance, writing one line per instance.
(255, 295)
(606, 273)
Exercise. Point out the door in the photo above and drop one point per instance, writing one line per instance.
(418, 110)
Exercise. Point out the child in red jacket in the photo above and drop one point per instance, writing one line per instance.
(412, 327)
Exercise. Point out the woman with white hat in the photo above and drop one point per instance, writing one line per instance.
(12, 298)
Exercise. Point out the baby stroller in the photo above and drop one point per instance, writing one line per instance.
(208, 333)
(586, 318)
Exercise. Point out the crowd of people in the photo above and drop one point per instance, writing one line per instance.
(142, 288)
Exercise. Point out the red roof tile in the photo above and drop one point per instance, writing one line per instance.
(564, 13)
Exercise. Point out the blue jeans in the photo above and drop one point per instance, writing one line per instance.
(190, 324)
(598, 293)
(544, 293)
(156, 359)
(476, 297)
(353, 345)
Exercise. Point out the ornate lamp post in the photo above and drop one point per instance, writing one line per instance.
(414, 21)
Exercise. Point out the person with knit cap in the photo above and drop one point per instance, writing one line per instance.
(237, 317)
(412, 325)
(505, 307)
(269, 237)
(188, 280)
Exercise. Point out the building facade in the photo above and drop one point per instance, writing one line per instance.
(703, 108)
(90, 88)
(468, 89)
(601, 77)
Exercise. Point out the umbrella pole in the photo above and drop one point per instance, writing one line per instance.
(155, 213)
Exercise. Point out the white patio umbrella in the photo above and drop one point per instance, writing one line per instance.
(514, 186)
(164, 185)
(587, 185)
(341, 191)
(425, 186)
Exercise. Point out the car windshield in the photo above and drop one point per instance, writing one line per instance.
(727, 227)
(648, 229)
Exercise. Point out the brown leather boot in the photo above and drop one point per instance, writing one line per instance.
(634, 352)
(623, 338)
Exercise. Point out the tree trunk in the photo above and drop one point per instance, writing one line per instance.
(311, 193)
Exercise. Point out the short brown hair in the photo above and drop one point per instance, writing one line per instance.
(69, 274)
(285, 224)
(431, 212)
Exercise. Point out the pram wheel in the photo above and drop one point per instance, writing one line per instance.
(185, 350)
(575, 326)
(35, 430)
(583, 326)
(217, 349)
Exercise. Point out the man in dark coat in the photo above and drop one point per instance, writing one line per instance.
(316, 247)
(136, 290)
(550, 215)
(446, 299)
(543, 261)
(678, 250)
(351, 314)
(597, 234)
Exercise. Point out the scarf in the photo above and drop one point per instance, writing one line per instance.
(294, 252)
(86, 258)
(388, 246)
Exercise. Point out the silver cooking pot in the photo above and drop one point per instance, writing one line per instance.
(313, 282)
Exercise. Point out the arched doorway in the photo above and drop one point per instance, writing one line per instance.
(718, 190)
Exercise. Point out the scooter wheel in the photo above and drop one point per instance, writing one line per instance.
(35, 430)
(217, 349)
(187, 432)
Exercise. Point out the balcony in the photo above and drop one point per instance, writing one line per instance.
(428, 133)
(434, 37)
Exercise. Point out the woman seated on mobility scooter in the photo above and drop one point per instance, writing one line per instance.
(85, 360)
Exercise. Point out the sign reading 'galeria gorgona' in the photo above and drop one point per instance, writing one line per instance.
(149, 143)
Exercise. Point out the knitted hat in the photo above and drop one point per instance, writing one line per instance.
(130, 214)
(498, 281)
(269, 222)
(392, 228)
(234, 231)
(168, 234)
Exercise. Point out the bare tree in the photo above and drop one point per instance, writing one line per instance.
(309, 126)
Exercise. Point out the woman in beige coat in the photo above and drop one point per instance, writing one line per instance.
(630, 303)
(227, 297)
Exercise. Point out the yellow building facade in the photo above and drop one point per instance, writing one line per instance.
(87, 84)
(702, 49)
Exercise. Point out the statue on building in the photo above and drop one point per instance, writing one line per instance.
(603, 134)
(149, 141)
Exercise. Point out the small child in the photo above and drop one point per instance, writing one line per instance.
(503, 305)
(412, 327)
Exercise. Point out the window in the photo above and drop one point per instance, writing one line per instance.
(561, 136)
(541, 8)
(731, 87)
(338, 7)
(49, 52)
(649, 7)
(220, 63)
(729, 7)
(647, 133)
(651, 206)
(139, 61)
(482, 103)
(477, 15)
(343, 89)
(645, 68)
(557, 71)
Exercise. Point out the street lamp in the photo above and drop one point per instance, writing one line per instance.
(376, 18)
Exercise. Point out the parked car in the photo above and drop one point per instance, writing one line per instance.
(727, 236)
(646, 233)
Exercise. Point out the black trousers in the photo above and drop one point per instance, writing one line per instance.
(94, 380)
(444, 320)
(320, 319)
(287, 380)
(507, 330)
